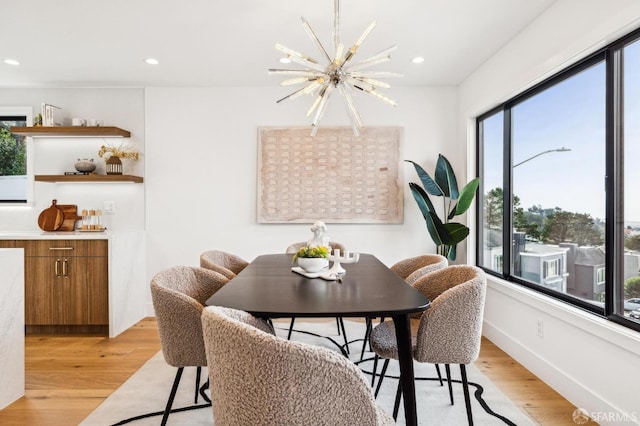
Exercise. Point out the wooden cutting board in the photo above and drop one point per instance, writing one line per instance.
(70, 216)
(51, 218)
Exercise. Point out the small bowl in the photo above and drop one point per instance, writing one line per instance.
(85, 165)
(313, 264)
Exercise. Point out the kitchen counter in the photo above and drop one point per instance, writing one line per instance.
(127, 275)
(11, 326)
(42, 235)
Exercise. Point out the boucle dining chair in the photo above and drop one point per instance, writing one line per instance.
(260, 379)
(227, 264)
(179, 294)
(410, 270)
(449, 331)
(293, 249)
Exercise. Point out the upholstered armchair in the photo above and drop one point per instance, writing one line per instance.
(179, 294)
(449, 331)
(260, 379)
(222, 262)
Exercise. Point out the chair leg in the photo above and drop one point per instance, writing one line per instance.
(198, 373)
(367, 333)
(293, 319)
(344, 333)
(396, 404)
(375, 368)
(448, 370)
(382, 373)
(338, 324)
(439, 374)
(172, 395)
(465, 388)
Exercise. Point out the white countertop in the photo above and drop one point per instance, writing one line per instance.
(41, 235)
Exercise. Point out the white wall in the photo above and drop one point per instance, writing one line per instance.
(587, 359)
(201, 162)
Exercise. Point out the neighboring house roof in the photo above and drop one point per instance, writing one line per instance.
(589, 256)
(542, 249)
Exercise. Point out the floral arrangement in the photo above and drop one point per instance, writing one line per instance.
(120, 151)
(316, 251)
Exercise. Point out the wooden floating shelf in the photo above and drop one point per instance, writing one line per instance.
(71, 131)
(88, 178)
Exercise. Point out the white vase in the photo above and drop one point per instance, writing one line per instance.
(313, 264)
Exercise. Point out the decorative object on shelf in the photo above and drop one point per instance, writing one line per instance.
(114, 154)
(338, 73)
(446, 235)
(114, 165)
(85, 165)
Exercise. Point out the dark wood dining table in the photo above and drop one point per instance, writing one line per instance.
(268, 288)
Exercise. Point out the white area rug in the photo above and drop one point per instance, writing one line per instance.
(148, 389)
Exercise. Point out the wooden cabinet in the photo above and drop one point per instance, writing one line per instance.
(66, 286)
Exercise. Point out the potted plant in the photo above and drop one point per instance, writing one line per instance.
(114, 154)
(312, 259)
(444, 233)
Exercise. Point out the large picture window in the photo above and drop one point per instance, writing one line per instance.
(13, 156)
(558, 201)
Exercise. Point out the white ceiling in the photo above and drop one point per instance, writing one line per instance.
(97, 43)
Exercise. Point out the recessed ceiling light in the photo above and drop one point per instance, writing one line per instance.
(285, 60)
(418, 60)
(11, 62)
(152, 61)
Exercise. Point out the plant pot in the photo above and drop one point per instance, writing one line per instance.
(313, 264)
(114, 165)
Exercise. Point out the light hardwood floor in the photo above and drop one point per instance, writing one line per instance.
(68, 377)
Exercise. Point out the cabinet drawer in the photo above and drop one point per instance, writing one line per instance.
(68, 248)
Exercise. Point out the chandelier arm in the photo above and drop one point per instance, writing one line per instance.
(309, 88)
(308, 64)
(367, 64)
(294, 54)
(352, 51)
(379, 95)
(356, 121)
(323, 105)
(385, 52)
(372, 82)
(312, 35)
(379, 74)
(318, 98)
(307, 73)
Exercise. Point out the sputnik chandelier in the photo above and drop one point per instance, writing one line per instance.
(339, 73)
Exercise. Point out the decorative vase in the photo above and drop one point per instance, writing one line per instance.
(85, 165)
(114, 165)
(313, 264)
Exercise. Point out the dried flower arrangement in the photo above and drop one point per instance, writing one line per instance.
(121, 151)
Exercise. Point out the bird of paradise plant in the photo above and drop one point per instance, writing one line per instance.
(445, 234)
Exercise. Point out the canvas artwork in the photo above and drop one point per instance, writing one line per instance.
(335, 176)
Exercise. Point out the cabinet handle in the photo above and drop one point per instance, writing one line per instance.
(65, 264)
(60, 248)
(57, 268)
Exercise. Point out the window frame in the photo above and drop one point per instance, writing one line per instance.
(22, 111)
(612, 58)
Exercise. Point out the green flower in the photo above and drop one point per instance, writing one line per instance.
(306, 251)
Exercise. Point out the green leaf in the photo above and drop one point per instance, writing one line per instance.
(457, 232)
(466, 196)
(428, 212)
(446, 178)
(452, 253)
(429, 184)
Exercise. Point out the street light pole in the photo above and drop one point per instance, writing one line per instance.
(563, 149)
